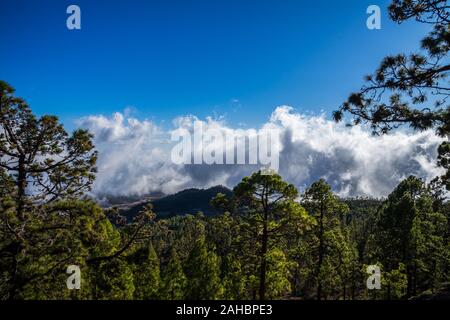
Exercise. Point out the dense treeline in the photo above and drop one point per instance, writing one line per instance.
(268, 242)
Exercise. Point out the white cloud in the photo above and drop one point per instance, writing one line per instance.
(134, 155)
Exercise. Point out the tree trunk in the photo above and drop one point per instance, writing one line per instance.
(353, 285)
(409, 284)
(21, 185)
(389, 292)
(14, 266)
(262, 281)
(321, 254)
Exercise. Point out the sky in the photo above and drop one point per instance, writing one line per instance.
(138, 70)
(235, 58)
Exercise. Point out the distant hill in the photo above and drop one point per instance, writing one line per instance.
(189, 201)
(107, 200)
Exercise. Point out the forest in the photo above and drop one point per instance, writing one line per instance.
(268, 240)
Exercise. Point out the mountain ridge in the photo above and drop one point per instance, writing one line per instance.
(187, 201)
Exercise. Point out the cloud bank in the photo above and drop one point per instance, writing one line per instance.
(134, 155)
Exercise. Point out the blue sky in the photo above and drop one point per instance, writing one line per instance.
(236, 58)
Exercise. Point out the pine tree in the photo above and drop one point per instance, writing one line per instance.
(410, 89)
(173, 280)
(328, 211)
(40, 164)
(146, 273)
(267, 208)
(278, 274)
(233, 280)
(113, 280)
(202, 271)
(411, 233)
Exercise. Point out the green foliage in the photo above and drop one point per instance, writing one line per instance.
(146, 273)
(267, 210)
(191, 229)
(40, 153)
(410, 232)
(46, 222)
(55, 236)
(330, 253)
(410, 89)
(203, 273)
(267, 242)
(278, 274)
(234, 281)
(394, 283)
(113, 280)
(174, 280)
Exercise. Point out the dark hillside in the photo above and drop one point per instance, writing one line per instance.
(189, 201)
